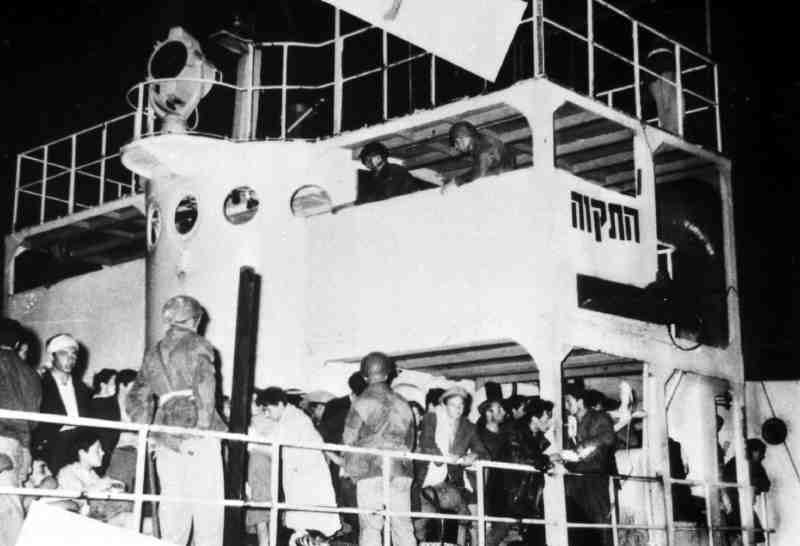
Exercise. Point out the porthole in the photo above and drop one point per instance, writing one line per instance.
(310, 200)
(153, 225)
(241, 205)
(186, 215)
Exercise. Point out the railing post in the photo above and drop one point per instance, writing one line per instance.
(338, 77)
(717, 116)
(668, 511)
(636, 73)
(679, 87)
(386, 475)
(72, 162)
(709, 515)
(273, 490)
(481, 523)
(590, 44)
(44, 184)
(17, 178)
(538, 37)
(433, 79)
(141, 459)
(284, 76)
(385, 50)
(103, 150)
(612, 493)
(137, 120)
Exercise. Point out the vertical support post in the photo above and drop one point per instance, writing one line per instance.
(612, 494)
(433, 79)
(538, 37)
(284, 76)
(590, 44)
(338, 70)
(709, 515)
(679, 87)
(637, 83)
(481, 523)
(244, 358)
(44, 184)
(103, 150)
(137, 118)
(273, 489)
(243, 106)
(387, 476)
(138, 487)
(17, 179)
(717, 117)
(73, 150)
(385, 60)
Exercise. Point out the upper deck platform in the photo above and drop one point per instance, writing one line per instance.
(364, 76)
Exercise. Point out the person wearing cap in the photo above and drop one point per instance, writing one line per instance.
(179, 372)
(380, 419)
(488, 154)
(20, 390)
(314, 403)
(386, 179)
(63, 393)
(447, 432)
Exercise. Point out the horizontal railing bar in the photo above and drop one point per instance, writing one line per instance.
(78, 133)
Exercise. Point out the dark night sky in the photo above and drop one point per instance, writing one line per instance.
(69, 66)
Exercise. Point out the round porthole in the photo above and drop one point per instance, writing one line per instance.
(153, 225)
(186, 215)
(241, 205)
(310, 200)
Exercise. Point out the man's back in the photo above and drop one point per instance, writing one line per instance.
(20, 390)
(379, 419)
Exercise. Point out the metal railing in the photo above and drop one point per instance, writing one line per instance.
(73, 173)
(138, 497)
(51, 182)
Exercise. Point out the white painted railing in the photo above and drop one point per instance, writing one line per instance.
(138, 496)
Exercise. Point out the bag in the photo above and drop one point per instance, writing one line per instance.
(446, 496)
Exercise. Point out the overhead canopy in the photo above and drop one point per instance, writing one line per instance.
(473, 34)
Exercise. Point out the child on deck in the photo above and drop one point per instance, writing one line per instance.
(81, 476)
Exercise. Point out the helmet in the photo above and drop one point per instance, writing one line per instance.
(181, 309)
(377, 365)
(462, 128)
(61, 342)
(373, 148)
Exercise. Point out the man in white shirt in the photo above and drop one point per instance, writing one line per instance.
(62, 394)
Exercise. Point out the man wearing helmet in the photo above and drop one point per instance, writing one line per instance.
(63, 393)
(179, 372)
(488, 153)
(380, 419)
(387, 179)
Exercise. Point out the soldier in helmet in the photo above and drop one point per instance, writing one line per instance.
(387, 179)
(381, 419)
(179, 373)
(489, 155)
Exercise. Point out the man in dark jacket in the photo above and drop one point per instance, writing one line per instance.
(63, 393)
(380, 419)
(19, 391)
(755, 451)
(386, 179)
(588, 500)
(331, 428)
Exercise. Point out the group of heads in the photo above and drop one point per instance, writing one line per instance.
(462, 137)
(529, 411)
(108, 382)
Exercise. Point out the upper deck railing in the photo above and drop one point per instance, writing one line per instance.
(365, 76)
(657, 490)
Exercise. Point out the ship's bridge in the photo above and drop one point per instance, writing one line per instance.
(77, 206)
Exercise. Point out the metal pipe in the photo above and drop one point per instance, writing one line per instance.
(433, 79)
(273, 489)
(716, 108)
(103, 151)
(138, 484)
(590, 43)
(636, 76)
(679, 87)
(44, 185)
(72, 157)
(385, 61)
(338, 85)
(386, 489)
(17, 179)
(284, 76)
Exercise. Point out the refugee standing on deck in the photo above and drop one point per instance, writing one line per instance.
(380, 419)
(179, 371)
(20, 391)
(489, 154)
(63, 393)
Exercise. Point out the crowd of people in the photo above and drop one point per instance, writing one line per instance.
(176, 385)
